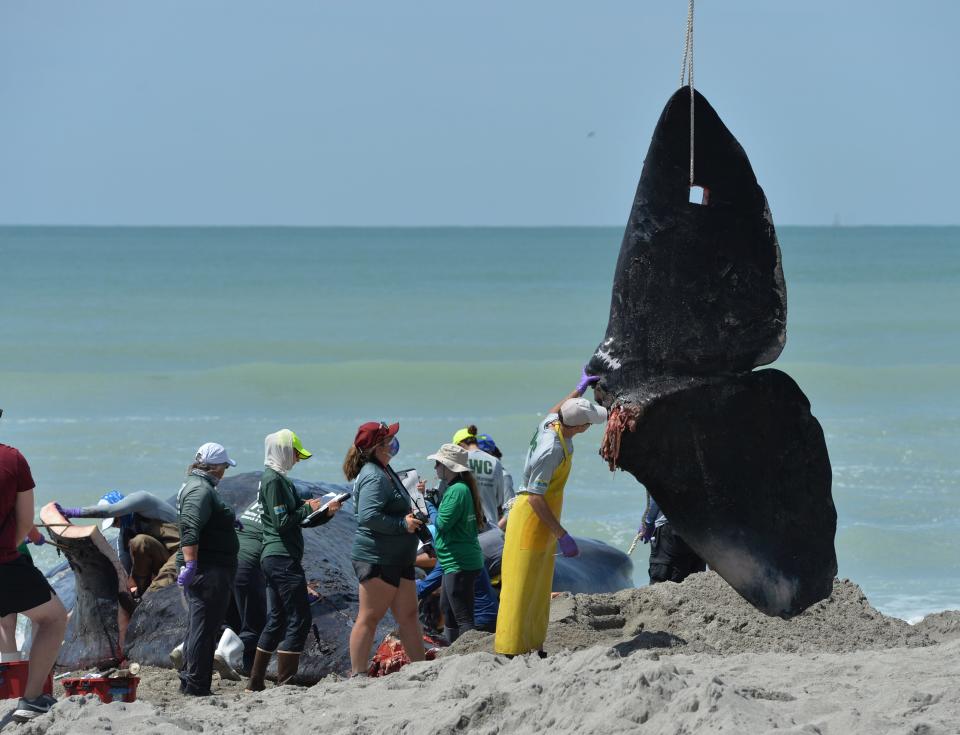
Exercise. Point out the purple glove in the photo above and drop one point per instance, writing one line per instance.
(187, 574)
(39, 541)
(69, 512)
(568, 546)
(586, 381)
(646, 532)
(238, 524)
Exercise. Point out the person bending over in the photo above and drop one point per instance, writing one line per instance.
(149, 536)
(534, 530)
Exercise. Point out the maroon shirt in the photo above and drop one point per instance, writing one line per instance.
(15, 478)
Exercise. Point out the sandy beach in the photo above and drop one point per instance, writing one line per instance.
(687, 658)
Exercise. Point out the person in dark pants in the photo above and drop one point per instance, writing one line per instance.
(250, 586)
(459, 521)
(208, 563)
(671, 559)
(288, 607)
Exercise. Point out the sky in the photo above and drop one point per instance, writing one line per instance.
(380, 113)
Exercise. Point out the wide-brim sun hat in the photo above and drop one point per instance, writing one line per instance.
(452, 457)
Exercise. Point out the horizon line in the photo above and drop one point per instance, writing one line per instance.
(4, 225)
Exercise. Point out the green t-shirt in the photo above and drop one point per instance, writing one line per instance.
(281, 514)
(457, 543)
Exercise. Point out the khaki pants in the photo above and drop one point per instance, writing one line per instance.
(152, 564)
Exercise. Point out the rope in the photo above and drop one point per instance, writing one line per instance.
(636, 540)
(686, 73)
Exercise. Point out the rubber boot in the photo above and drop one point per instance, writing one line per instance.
(258, 671)
(287, 665)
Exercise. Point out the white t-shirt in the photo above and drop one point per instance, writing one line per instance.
(545, 455)
(488, 472)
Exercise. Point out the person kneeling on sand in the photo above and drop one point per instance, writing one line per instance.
(25, 589)
(208, 559)
(385, 544)
(148, 540)
(534, 530)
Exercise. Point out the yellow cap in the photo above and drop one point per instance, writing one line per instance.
(298, 448)
(462, 435)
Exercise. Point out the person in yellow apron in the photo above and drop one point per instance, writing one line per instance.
(533, 527)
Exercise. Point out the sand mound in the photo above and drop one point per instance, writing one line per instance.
(705, 615)
(941, 626)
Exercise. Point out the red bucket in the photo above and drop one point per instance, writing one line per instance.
(109, 690)
(13, 680)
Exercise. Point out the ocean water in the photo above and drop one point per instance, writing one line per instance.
(124, 349)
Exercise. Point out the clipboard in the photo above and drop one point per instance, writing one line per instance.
(342, 497)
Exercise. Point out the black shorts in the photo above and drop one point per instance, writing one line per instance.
(24, 586)
(389, 573)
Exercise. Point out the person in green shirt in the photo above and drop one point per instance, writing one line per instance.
(208, 562)
(384, 546)
(459, 520)
(288, 607)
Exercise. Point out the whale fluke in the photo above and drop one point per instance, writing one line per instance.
(734, 457)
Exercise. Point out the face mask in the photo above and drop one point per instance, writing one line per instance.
(394, 447)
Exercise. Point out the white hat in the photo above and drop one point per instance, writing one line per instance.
(452, 457)
(106, 501)
(579, 411)
(213, 453)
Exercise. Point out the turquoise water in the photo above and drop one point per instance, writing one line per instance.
(124, 349)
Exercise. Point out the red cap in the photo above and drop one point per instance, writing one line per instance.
(372, 433)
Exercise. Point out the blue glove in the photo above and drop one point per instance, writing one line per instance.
(187, 574)
(238, 524)
(39, 541)
(586, 381)
(568, 546)
(69, 512)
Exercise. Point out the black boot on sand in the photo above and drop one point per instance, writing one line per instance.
(287, 665)
(258, 671)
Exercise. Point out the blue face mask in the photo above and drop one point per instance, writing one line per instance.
(394, 447)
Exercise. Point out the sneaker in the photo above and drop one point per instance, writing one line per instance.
(27, 709)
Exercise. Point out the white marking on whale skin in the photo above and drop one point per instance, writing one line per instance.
(609, 360)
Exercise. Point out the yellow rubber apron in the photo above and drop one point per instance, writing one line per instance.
(527, 568)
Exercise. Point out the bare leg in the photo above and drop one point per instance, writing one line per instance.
(8, 633)
(375, 599)
(50, 621)
(404, 610)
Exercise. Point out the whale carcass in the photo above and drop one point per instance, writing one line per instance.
(733, 456)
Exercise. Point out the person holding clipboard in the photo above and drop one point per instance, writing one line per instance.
(288, 607)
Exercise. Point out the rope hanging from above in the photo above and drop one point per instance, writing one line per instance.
(686, 74)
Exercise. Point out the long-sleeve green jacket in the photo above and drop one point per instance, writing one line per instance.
(207, 522)
(382, 536)
(282, 512)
